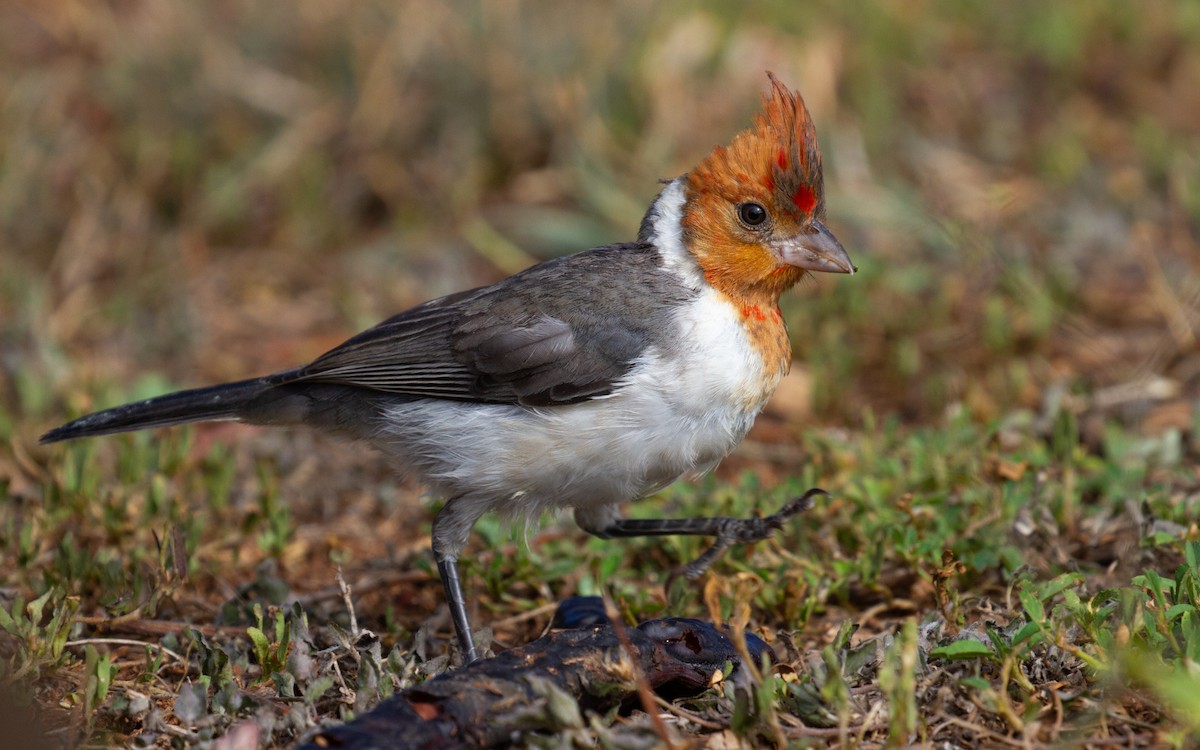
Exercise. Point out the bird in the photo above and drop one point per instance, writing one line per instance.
(582, 382)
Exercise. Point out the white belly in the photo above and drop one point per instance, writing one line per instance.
(677, 414)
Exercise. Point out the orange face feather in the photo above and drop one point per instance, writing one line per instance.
(777, 165)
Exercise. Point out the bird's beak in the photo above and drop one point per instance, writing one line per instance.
(816, 250)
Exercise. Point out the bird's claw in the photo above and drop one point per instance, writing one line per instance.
(744, 531)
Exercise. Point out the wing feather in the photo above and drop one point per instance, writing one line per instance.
(559, 332)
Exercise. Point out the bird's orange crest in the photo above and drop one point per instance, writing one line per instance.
(780, 152)
(775, 163)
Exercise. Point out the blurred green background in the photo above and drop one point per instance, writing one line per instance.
(209, 190)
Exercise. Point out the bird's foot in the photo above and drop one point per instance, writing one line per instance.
(730, 531)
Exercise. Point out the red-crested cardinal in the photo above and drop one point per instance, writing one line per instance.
(583, 382)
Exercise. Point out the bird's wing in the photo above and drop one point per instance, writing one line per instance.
(563, 331)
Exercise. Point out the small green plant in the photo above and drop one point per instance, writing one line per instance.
(272, 656)
(40, 629)
(99, 672)
(898, 683)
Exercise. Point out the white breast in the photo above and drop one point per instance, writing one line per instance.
(677, 414)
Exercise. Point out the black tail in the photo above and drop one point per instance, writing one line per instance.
(197, 405)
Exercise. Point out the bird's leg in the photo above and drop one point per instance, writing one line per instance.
(451, 529)
(728, 531)
(448, 570)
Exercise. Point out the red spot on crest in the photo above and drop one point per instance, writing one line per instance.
(768, 182)
(781, 159)
(805, 199)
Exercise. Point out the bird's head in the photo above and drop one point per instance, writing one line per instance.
(755, 209)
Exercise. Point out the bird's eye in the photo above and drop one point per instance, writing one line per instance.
(752, 214)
